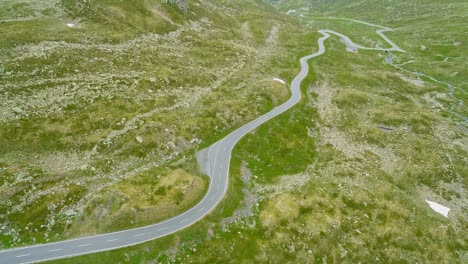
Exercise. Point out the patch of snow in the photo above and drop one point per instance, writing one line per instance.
(290, 11)
(443, 210)
(70, 25)
(279, 80)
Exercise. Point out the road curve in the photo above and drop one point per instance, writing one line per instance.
(215, 162)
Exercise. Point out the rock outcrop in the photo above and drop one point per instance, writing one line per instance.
(182, 4)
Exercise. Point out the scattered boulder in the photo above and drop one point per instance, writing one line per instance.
(384, 128)
(139, 139)
(17, 110)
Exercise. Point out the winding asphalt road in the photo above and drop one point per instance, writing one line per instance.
(214, 161)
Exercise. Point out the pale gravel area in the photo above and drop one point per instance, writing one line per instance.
(255, 193)
(414, 81)
(433, 99)
(77, 87)
(273, 38)
(201, 27)
(55, 99)
(331, 114)
(36, 7)
(388, 159)
(246, 32)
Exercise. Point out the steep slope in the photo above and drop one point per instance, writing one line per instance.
(104, 103)
(101, 119)
(344, 176)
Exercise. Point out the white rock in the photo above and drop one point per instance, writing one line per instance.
(17, 110)
(139, 139)
(70, 212)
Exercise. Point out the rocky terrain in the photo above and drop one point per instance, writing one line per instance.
(96, 110)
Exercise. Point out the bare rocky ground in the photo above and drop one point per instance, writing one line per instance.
(34, 10)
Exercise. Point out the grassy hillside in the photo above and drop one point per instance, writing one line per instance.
(430, 30)
(101, 121)
(343, 177)
(104, 101)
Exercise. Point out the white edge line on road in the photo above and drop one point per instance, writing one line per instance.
(95, 251)
(101, 235)
(84, 245)
(116, 247)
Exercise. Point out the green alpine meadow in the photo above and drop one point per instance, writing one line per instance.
(242, 131)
